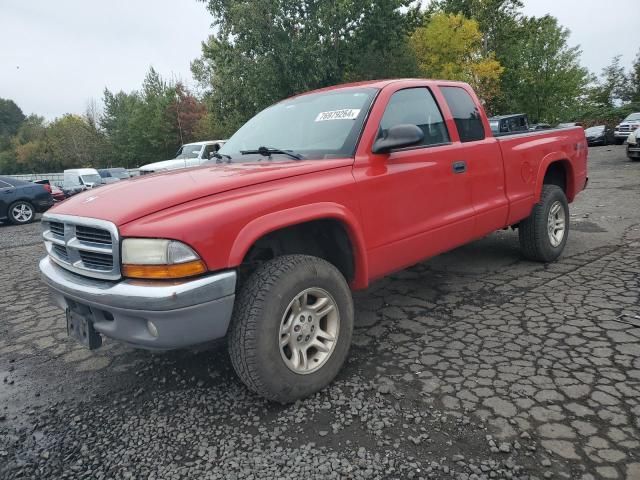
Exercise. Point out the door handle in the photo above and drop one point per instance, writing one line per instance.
(459, 166)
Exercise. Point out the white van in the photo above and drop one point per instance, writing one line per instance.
(189, 155)
(77, 179)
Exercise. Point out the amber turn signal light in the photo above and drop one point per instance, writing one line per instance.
(164, 272)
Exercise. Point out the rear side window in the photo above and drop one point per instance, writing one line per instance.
(465, 113)
(415, 106)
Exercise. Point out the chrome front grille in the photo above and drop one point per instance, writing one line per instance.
(98, 261)
(57, 229)
(61, 252)
(93, 235)
(85, 246)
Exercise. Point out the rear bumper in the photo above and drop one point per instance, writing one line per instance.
(181, 314)
(43, 205)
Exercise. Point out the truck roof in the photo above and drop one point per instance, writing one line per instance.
(379, 84)
(205, 142)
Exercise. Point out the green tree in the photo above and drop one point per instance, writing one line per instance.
(450, 47)
(265, 50)
(28, 146)
(11, 117)
(72, 142)
(543, 76)
(116, 121)
(613, 86)
(633, 90)
(149, 125)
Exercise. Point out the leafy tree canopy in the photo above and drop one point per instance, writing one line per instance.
(11, 117)
(266, 50)
(450, 47)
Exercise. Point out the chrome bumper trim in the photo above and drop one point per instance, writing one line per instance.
(138, 294)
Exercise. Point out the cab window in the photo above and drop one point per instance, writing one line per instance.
(415, 106)
(465, 113)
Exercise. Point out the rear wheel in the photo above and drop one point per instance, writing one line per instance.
(543, 235)
(291, 328)
(21, 212)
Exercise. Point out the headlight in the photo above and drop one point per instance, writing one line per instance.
(159, 259)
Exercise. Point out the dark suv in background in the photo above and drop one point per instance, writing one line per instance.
(20, 200)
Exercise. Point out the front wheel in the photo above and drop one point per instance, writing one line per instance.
(21, 212)
(291, 327)
(543, 235)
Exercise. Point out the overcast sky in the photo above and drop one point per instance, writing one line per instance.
(57, 56)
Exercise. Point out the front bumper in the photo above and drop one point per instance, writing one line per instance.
(183, 314)
(621, 135)
(633, 151)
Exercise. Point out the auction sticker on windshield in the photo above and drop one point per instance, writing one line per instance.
(344, 114)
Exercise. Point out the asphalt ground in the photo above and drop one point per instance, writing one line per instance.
(475, 364)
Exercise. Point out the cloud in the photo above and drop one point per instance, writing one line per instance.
(57, 56)
(62, 54)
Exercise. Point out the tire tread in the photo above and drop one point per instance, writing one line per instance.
(532, 230)
(248, 312)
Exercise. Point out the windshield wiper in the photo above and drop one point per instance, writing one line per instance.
(267, 151)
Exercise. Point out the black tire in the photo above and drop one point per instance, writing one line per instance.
(255, 327)
(16, 220)
(535, 240)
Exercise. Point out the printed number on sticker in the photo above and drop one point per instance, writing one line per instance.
(344, 114)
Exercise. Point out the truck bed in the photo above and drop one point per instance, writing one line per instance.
(527, 154)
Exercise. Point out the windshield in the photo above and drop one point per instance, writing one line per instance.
(595, 129)
(189, 151)
(634, 117)
(121, 174)
(317, 126)
(92, 178)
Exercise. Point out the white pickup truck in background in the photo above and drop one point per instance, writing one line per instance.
(189, 155)
(626, 126)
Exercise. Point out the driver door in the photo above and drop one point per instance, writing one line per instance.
(416, 201)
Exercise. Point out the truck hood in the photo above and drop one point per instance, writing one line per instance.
(165, 165)
(128, 200)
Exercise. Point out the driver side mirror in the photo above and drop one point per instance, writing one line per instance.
(398, 136)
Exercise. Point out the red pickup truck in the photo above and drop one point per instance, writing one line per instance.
(317, 195)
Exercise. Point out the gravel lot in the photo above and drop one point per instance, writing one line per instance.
(473, 365)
